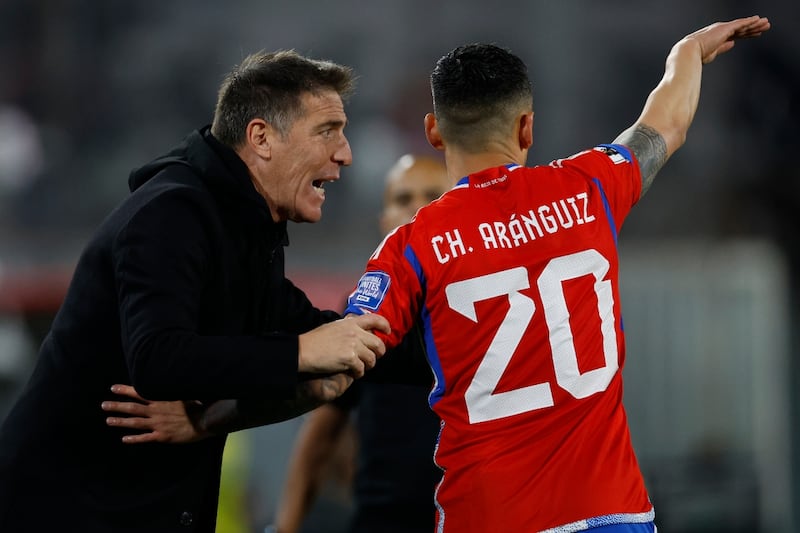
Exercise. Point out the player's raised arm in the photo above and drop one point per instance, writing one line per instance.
(661, 128)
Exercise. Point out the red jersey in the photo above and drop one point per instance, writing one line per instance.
(514, 275)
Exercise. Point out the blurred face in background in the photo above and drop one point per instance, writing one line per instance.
(411, 183)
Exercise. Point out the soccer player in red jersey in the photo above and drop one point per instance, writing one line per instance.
(514, 274)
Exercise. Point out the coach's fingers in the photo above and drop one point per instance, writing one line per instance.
(128, 422)
(129, 408)
(371, 348)
(356, 368)
(369, 357)
(137, 439)
(126, 390)
(371, 322)
(375, 345)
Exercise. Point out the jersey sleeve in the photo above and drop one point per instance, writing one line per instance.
(390, 286)
(614, 170)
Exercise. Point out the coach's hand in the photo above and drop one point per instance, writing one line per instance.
(178, 422)
(346, 345)
(170, 422)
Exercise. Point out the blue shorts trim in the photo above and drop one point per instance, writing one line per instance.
(647, 527)
(613, 523)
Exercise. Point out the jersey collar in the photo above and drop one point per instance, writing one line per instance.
(465, 180)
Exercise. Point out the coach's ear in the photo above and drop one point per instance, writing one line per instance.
(258, 137)
(432, 132)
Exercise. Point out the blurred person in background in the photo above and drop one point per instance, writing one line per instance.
(514, 275)
(395, 428)
(181, 293)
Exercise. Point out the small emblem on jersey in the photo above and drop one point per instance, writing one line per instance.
(370, 291)
(612, 153)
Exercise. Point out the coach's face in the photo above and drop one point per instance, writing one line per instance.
(306, 158)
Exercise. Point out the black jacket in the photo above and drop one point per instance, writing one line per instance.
(178, 293)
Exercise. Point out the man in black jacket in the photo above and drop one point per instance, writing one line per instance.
(181, 293)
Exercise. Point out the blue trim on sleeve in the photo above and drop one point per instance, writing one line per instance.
(425, 317)
(623, 151)
(411, 257)
(607, 208)
(351, 308)
(610, 217)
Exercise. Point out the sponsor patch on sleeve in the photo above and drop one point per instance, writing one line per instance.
(618, 154)
(370, 291)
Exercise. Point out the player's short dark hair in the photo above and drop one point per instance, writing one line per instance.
(478, 91)
(270, 85)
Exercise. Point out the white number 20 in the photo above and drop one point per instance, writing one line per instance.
(483, 403)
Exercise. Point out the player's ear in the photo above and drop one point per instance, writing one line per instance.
(432, 132)
(526, 130)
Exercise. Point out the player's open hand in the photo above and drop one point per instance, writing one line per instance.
(169, 422)
(346, 345)
(720, 37)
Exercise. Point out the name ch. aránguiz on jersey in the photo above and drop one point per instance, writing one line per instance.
(519, 229)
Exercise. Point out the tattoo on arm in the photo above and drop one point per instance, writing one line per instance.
(650, 150)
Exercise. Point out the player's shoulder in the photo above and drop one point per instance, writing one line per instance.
(394, 242)
(598, 155)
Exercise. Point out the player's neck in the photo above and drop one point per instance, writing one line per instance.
(460, 163)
